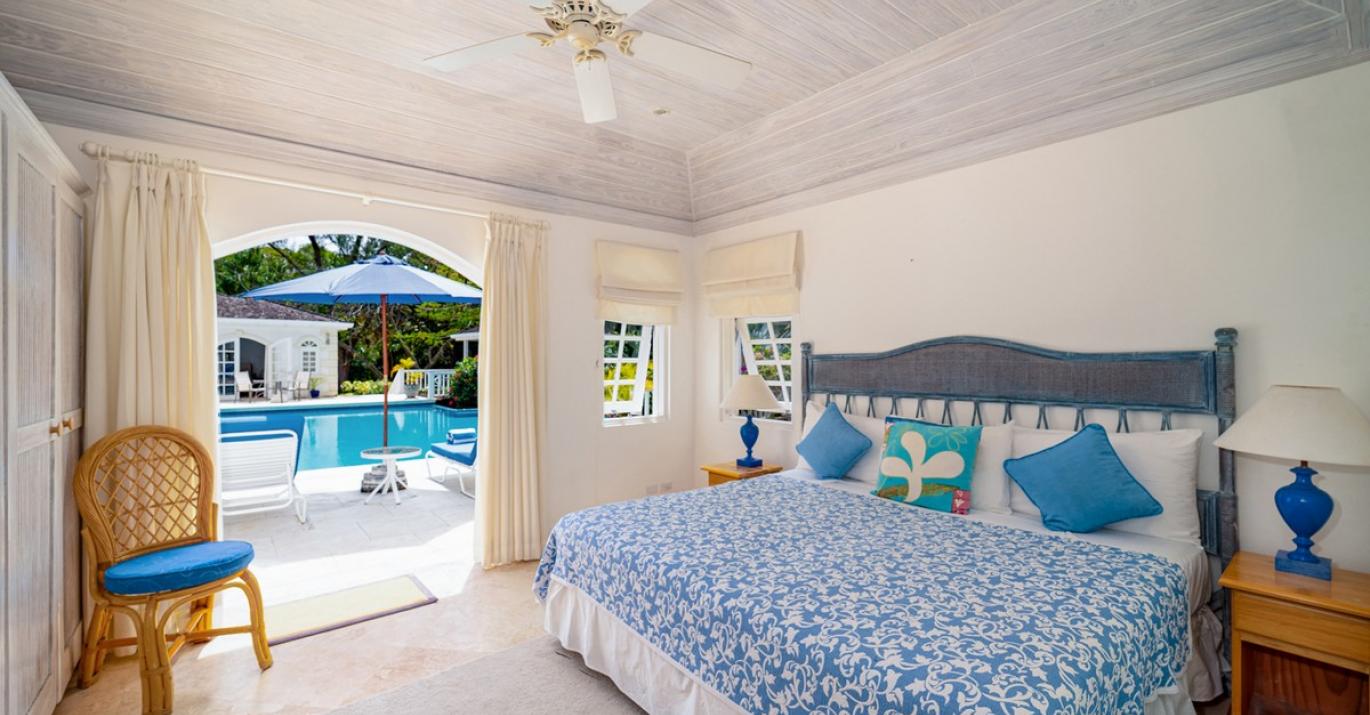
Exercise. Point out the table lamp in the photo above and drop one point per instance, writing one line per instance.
(750, 394)
(1318, 424)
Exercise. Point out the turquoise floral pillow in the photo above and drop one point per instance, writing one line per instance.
(927, 465)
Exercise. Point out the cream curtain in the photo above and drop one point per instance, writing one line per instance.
(755, 278)
(509, 466)
(638, 284)
(150, 333)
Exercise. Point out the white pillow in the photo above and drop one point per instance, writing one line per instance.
(866, 469)
(1165, 463)
(988, 482)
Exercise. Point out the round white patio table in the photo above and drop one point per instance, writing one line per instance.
(389, 455)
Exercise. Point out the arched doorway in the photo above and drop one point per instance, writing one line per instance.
(334, 429)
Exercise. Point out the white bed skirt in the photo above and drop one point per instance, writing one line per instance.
(658, 684)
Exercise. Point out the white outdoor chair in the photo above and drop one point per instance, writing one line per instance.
(456, 455)
(301, 386)
(243, 383)
(257, 472)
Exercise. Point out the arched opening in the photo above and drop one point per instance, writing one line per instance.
(314, 370)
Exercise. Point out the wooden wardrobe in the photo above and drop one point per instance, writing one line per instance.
(42, 316)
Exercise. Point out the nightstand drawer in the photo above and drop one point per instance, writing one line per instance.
(1316, 629)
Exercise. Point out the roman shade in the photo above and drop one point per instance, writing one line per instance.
(755, 278)
(638, 284)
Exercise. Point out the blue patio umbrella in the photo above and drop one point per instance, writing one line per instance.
(373, 281)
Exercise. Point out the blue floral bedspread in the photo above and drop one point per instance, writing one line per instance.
(787, 597)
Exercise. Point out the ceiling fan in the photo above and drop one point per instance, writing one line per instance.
(585, 24)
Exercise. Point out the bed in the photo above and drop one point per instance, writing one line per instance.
(790, 594)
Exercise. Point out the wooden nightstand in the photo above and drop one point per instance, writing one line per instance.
(729, 472)
(1299, 645)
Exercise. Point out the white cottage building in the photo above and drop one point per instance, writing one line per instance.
(273, 342)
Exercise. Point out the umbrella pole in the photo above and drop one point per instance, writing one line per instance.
(385, 377)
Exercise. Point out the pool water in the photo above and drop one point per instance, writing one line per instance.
(335, 436)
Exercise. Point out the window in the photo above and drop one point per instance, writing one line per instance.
(765, 347)
(228, 367)
(309, 357)
(632, 364)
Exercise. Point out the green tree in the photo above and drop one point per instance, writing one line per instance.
(418, 332)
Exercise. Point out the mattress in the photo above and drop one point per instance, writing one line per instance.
(771, 595)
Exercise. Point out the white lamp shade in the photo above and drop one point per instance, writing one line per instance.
(750, 392)
(1314, 424)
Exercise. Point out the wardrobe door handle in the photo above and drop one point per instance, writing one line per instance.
(68, 424)
(55, 429)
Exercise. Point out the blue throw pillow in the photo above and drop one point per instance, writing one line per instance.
(1080, 484)
(928, 465)
(833, 446)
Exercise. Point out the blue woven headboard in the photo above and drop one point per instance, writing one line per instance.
(993, 375)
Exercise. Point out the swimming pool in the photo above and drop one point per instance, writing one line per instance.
(335, 436)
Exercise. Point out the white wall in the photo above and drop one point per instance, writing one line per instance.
(585, 462)
(1253, 212)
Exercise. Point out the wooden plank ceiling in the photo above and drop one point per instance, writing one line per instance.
(844, 97)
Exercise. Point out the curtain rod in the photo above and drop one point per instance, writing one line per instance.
(96, 151)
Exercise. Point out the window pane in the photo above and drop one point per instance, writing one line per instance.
(633, 329)
(628, 371)
(779, 393)
(781, 328)
(612, 328)
(610, 348)
(609, 371)
(630, 348)
(625, 393)
(768, 373)
(763, 352)
(785, 371)
(608, 394)
(758, 331)
(784, 350)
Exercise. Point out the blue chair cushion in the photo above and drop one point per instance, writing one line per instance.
(833, 446)
(178, 567)
(1080, 484)
(464, 452)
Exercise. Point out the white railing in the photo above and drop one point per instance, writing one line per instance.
(432, 383)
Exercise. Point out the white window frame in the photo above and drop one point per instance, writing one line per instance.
(742, 355)
(651, 342)
(309, 351)
(226, 353)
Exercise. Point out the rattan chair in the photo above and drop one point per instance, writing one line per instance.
(149, 537)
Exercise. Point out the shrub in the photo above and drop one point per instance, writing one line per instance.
(464, 383)
(361, 387)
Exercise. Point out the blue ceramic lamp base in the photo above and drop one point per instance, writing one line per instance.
(749, 434)
(1306, 509)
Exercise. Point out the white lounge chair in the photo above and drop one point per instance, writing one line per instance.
(257, 472)
(301, 386)
(243, 383)
(456, 454)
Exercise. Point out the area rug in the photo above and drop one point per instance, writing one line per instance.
(306, 617)
(533, 677)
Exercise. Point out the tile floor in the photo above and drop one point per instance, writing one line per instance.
(344, 544)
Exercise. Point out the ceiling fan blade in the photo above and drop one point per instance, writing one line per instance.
(692, 61)
(627, 7)
(483, 52)
(596, 91)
